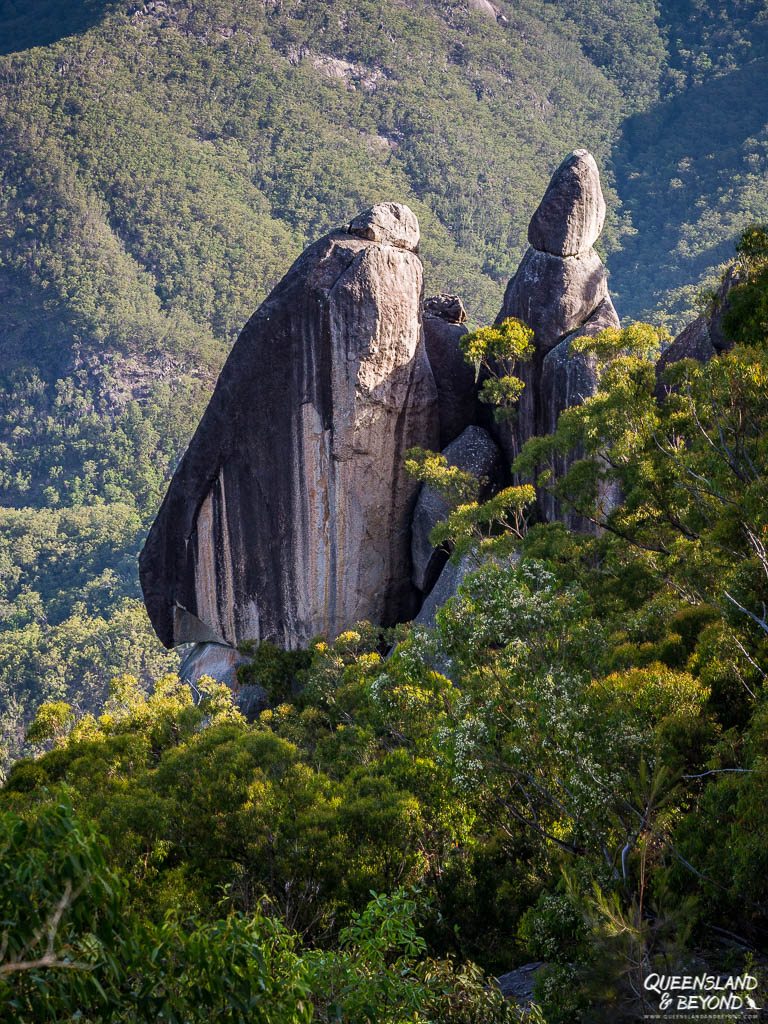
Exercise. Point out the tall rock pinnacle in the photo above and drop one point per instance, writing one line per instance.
(560, 290)
(288, 516)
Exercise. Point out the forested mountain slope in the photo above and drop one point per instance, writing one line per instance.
(163, 163)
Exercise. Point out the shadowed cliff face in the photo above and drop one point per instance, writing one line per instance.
(289, 515)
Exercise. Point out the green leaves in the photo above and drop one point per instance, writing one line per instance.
(57, 904)
(493, 527)
(507, 343)
(745, 319)
(432, 468)
(496, 525)
(643, 341)
(496, 351)
(752, 248)
(52, 722)
(70, 947)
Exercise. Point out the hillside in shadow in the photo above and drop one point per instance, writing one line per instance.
(691, 172)
(28, 23)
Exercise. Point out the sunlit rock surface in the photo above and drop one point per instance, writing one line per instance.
(289, 515)
(560, 287)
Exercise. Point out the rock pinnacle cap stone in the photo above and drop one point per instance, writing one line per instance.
(570, 217)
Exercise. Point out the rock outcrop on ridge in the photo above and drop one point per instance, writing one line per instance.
(559, 290)
(289, 515)
(703, 338)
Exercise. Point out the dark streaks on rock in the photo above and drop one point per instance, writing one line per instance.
(289, 514)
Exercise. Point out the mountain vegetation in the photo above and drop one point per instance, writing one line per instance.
(569, 766)
(164, 162)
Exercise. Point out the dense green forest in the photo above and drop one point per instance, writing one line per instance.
(163, 163)
(570, 766)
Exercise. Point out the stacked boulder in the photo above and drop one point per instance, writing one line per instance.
(561, 291)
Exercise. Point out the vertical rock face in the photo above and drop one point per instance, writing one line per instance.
(289, 515)
(555, 295)
(444, 324)
(567, 379)
(559, 290)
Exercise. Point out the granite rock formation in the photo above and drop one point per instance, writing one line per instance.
(474, 451)
(289, 515)
(221, 662)
(484, 7)
(559, 290)
(447, 307)
(571, 215)
(447, 586)
(567, 379)
(218, 661)
(701, 339)
(444, 324)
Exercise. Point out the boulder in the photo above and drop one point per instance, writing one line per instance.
(568, 377)
(289, 515)
(693, 342)
(221, 662)
(446, 587)
(446, 307)
(251, 700)
(517, 985)
(571, 215)
(483, 7)
(389, 223)
(444, 318)
(474, 451)
(555, 295)
(448, 582)
(218, 661)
